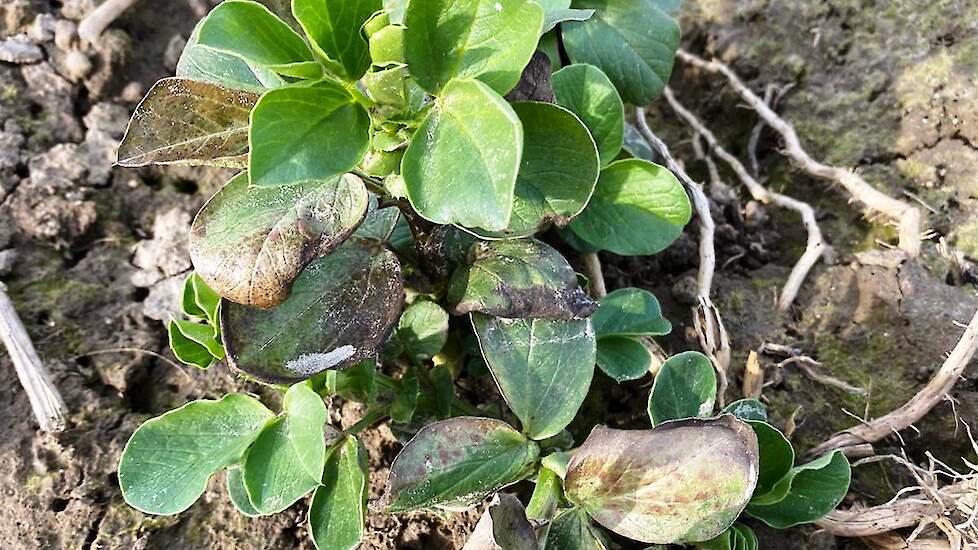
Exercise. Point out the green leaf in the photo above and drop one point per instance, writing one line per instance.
(341, 310)
(190, 123)
(550, 46)
(630, 312)
(200, 334)
(557, 462)
(392, 86)
(387, 46)
(590, 95)
(573, 530)
(206, 300)
(169, 459)
(736, 537)
(396, 9)
(461, 166)
(238, 494)
(747, 409)
(543, 368)
(555, 17)
(198, 62)
(251, 243)
(274, 476)
(338, 510)
(632, 41)
(518, 279)
(503, 525)
(306, 134)
(635, 143)
(776, 453)
(547, 494)
(683, 481)
(558, 171)
(187, 350)
(685, 387)
(638, 208)
(305, 416)
(188, 298)
(806, 493)
(359, 382)
(457, 463)
(406, 401)
(444, 390)
(380, 223)
(491, 40)
(623, 358)
(335, 29)
(422, 330)
(252, 32)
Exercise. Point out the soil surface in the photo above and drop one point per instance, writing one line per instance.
(94, 255)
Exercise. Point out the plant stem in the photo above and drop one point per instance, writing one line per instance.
(594, 273)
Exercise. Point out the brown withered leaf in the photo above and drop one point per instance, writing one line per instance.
(503, 526)
(189, 122)
(684, 481)
(249, 244)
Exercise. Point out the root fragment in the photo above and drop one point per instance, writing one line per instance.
(95, 23)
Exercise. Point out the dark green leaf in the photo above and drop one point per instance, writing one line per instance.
(747, 409)
(456, 463)
(635, 143)
(238, 494)
(444, 390)
(588, 93)
(422, 330)
(630, 312)
(806, 494)
(188, 350)
(623, 358)
(169, 459)
(573, 530)
(461, 166)
(558, 171)
(543, 368)
(491, 40)
(632, 41)
(250, 244)
(250, 31)
(379, 223)
(335, 29)
(341, 310)
(503, 526)
(683, 481)
(638, 208)
(192, 123)
(306, 134)
(518, 279)
(338, 510)
(406, 400)
(359, 382)
(777, 456)
(685, 387)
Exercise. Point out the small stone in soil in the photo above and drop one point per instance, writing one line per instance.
(20, 51)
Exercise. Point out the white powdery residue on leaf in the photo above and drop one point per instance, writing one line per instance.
(311, 363)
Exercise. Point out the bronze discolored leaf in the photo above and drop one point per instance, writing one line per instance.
(250, 243)
(188, 122)
(342, 308)
(684, 481)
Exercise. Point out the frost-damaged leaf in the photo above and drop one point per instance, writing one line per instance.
(747, 409)
(638, 208)
(543, 368)
(306, 134)
(238, 494)
(461, 166)
(334, 27)
(252, 32)
(503, 526)
(457, 463)
(341, 310)
(683, 481)
(380, 223)
(630, 312)
(805, 494)
(518, 279)
(685, 387)
(557, 174)
(422, 330)
(623, 358)
(573, 530)
(587, 92)
(491, 40)
(339, 507)
(777, 456)
(186, 122)
(166, 463)
(250, 243)
(632, 41)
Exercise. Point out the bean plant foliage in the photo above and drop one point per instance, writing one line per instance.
(409, 176)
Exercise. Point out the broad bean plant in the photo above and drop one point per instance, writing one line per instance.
(408, 174)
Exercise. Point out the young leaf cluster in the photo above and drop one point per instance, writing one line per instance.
(408, 173)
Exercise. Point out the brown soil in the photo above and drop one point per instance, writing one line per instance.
(884, 86)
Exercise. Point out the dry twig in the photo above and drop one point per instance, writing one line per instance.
(816, 246)
(95, 23)
(46, 402)
(753, 383)
(907, 216)
(919, 405)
